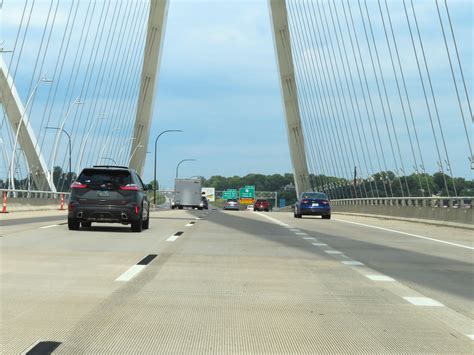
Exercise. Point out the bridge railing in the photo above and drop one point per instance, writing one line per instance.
(33, 194)
(431, 202)
(443, 210)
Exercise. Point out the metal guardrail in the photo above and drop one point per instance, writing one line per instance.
(31, 194)
(430, 202)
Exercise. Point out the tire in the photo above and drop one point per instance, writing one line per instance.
(267, 210)
(146, 223)
(73, 224)
(137, 226)
(297, 215)
(86, 224)
(180, 207)
(327, 216)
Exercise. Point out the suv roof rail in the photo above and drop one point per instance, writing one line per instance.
(110, 166)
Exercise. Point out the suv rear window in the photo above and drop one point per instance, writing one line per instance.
(105, 178)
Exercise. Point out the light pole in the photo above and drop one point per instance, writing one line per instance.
(154, 167)
(69, 137)
(81, 152)
(60, 129)
(104, 146)
(112, 160)
(181, 162)
(133, 153)
(12, 161)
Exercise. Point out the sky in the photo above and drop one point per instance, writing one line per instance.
(218, 82)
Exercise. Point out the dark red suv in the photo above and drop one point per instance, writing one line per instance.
(261, 205)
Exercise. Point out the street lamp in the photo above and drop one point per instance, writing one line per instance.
(154, 168)
(182, 161)
(133, 153)
(30, 98)
(112, 160)
(60, 129)
(69, 137)
(81, 152)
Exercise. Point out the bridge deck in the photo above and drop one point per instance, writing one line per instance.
(236, 282)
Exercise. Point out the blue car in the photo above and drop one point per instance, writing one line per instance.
(313, 204)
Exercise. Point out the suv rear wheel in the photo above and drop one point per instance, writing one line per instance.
(73, 224)
(137, 226)
(146, 223)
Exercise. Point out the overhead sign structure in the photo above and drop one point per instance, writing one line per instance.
(229, 194)
(210, 193)
(247, 195)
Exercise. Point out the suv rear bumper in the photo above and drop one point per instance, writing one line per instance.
(105, 214)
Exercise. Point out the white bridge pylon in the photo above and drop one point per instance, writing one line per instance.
(19, 122)
(151, 63)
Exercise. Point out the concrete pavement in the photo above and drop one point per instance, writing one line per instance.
(236, 282)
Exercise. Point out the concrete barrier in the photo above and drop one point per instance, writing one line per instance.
(438, 211)
(23, 200)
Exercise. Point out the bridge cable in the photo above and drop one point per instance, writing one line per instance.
(335, 163)
(305, 108)
(125, 62)
(402, 104)
(378, 91)
(425, 94)
(454, 80)
(365, 155)
(389, 108)
(324, 89)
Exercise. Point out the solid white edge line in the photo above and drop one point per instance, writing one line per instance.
(405, 233)
(172, 238)
(423, 301)
(131, 273)
(51, 226)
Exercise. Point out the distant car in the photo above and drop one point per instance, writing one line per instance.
(261, 205)
(204, 205)
(108, 194)
(313, 203)
(250, 208)
(232, 204)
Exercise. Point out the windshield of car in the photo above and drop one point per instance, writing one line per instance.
(232, 200)
(319, 195)
(105, 178)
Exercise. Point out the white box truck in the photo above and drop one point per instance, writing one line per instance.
(187, 193)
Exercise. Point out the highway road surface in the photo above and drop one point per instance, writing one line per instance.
(235, 282)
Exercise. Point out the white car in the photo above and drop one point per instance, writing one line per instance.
(250, 208)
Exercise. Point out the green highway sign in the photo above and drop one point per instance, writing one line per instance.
(247, 192)
(228, 194)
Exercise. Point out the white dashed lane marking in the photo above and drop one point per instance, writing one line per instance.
(471, 336)
(300, 233)
(352, 263)
(309, 238)
(379, 278)
(319, 244)
(136, 269)
(332, 252)
(423, 301)
(174, 237)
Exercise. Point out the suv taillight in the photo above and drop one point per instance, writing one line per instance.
(78, 185)
(129, 187)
